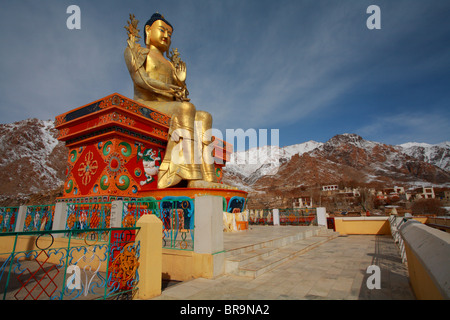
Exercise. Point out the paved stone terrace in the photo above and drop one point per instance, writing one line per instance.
(257, 234)
(335, 270)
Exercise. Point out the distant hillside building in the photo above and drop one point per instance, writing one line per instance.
(303, 202)
(423, 193)
(428, 193)
(332, 187)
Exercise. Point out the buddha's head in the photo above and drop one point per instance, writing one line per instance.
(158, 32)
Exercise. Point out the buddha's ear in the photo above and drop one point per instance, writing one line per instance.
(148, 31)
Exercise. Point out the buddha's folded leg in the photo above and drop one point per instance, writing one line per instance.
(179, 161)
(189, 148)
(204, 124)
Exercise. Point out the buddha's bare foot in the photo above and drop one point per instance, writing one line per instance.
(167, 179)
(208, 185)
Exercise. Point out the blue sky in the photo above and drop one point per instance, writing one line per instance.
(311, 69)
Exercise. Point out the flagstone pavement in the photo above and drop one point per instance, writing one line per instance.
(335, 270)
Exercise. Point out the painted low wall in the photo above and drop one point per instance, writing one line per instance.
(362, 225)
(428, 255)
(183, 265)
(420, 219)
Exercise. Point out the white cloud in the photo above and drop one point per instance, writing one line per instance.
(426, 126)
(252, 64)
(281, 74)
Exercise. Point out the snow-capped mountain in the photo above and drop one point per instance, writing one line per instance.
(258, 162)
(31, 158)
(437, 154)
(345, 157)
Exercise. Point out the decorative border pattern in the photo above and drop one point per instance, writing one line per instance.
(121, 130)
(114, 100)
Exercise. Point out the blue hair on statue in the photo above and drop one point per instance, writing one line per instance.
(155, 17)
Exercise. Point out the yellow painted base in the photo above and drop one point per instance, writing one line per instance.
(421, 219)
(423, 286)
(362, 225)
(182, 265)
(150, 264)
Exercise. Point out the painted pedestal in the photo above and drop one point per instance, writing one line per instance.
(115, 148)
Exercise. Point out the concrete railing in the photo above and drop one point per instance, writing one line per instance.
(428, 255)
(395, 223)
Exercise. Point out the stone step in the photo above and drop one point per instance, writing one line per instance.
(233, 262)
(329, 232)
(278, 242)
(256, 262)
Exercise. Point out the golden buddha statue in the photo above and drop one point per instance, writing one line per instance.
(160, 83)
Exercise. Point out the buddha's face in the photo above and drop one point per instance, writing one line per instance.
(159, 35)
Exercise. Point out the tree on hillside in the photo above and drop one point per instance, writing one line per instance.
(428, 206)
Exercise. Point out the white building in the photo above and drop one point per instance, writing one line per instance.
(303, 202)
(332, 187)
(428, 193)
